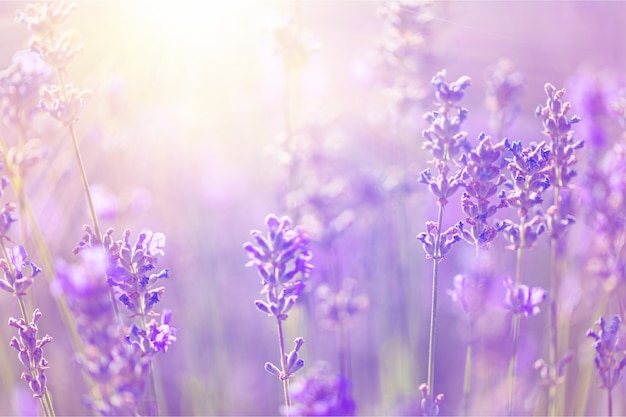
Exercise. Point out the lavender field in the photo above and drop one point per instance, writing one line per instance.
(273, 207)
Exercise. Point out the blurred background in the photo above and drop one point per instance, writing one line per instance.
(207, 116)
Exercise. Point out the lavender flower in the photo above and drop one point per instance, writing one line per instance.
(130, 268)
(522, 299)
(20, 87)
(469, 293)
(336, 309)
(280, 258)
(444, 138)
(482, 179)
(45, 17)
(65, 106)
(504, 85)
(609, 359)
(114, 356)
(18, 272)
(405, 49)
(558, 127)
(30, 353)
(320, 392)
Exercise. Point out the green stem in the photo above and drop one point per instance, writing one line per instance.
(433, 310)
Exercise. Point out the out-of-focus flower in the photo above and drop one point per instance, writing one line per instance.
(18, 272)
(20, 86)
(337, 308)
(504, 86)
(609, 359)
(58, 51)
(470, 291)
(405, 50)
(30, 353)
(522, 299)
(64, 106)
(105, 202)
(45, 17)
(320, 392)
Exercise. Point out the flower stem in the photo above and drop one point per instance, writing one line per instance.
(467, 380)
(433, 310)
(516, 318)
(283, 362)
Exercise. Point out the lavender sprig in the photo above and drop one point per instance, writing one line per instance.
(609, 359)
(30, 354)
(445, 140)
(282, 259)
(558, 127)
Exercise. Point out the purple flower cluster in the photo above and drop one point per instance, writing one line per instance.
(337, 309)
(20, 87)
(320, 392)
(58, 48)
(18, 272)
(113, 356)
(130, 272)
(482, 179)
(30, 353)
(504, 86)
(522, 299)
(282, 261)
(609, 359)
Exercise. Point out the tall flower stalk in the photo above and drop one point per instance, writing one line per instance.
(482, 180)
(445, 140)
(529, 169)
(557, 127)
(282, 261)
(609, 359)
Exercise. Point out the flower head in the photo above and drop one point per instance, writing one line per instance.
(20, 86)
(45, 17)
(522, 299)
(282, 259)
(161, 335)
(18, 272)
(609, 359)
(64, 106)
(30, 353)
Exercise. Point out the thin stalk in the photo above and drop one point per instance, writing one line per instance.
(553, 294)
(433, 310)
(552, 356)
(516, 319)
(149, 405)
(467, 380)
(610, 401)
(283, 362)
